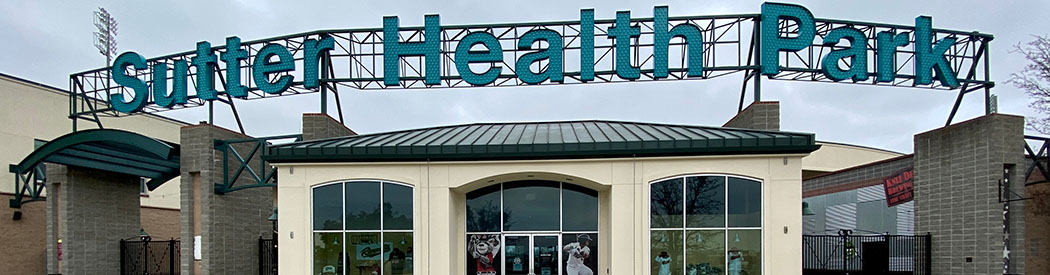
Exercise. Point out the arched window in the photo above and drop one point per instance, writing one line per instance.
(706, 224)
(361, 227)
(532, 227)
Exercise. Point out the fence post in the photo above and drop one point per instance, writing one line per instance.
(259, 244)
(929, 253)
(171, 256)
(123, 253)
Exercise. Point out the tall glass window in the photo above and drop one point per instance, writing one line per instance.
(706, 224)
(362, 227)
(532, 227)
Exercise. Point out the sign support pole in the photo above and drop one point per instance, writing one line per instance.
(758, 59)
(987, 72)
(324, 84)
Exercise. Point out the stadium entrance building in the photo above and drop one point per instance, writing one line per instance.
(557, 197)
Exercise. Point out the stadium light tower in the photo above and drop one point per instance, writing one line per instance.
(106, 36)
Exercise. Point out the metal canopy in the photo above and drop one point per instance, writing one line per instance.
(543, 140)
(103, 149)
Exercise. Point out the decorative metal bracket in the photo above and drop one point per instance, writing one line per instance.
(1039, 159)
(265, 176)
(29, 185)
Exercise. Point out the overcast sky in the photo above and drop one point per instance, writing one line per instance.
(45, 41)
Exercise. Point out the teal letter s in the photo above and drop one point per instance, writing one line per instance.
(122, 78)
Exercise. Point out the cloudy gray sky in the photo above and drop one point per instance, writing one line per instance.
(45, 41)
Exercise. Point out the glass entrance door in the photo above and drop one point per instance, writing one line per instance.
(531, 254)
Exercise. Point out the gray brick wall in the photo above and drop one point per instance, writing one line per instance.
(957, 170)
(99, 209)
(862, 174)
(231, 223)
(762, 115)
(320, 126)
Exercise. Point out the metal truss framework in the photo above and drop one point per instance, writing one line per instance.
(265, 176)
(730, 46)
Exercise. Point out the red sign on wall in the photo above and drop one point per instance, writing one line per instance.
(899, 187)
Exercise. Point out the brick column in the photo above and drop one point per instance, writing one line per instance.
(762, 115)
(319, 126)
(229, 224)
(55, 175)
(957, 172)
(98, 209)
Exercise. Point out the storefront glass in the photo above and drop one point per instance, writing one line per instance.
(362, 228)
(363, 253)
(328, 251)
(532, 227)
(720, 232)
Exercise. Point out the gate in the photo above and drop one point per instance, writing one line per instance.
(866, 254)
(149, 257)
(267, 256)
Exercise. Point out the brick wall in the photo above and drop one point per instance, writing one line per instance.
(762, 115)
(855, 177)
(1037, 231)
(319, 126)
(231, 223)
(24, 240)
(160, 223)
(957, 169)
(99, 209)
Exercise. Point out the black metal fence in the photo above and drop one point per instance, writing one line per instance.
(865, 254)
(149, 257)
(267, 256)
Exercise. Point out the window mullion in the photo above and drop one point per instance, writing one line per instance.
(725, 213)
(342, 217)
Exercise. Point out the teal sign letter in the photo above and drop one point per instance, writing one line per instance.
(205, 62)
(694, 39)
(178, 86)
(929, 57)
(493, 52)
(263, 67)
(553, 53)
(314, 51)
(773, 43)
(857, 53)
(886, 44)
(393, 50)
(622, 32)
(233, 57)
(586, 45)
(122, 78)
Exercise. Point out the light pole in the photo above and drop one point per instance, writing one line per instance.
(106, 36)
(105, 39)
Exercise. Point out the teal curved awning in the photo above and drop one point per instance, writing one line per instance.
(108, 150)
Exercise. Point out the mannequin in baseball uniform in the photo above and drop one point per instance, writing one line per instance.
(577, 253)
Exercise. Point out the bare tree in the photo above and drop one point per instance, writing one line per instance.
(1034, 79)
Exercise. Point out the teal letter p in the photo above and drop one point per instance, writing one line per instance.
(772, 43)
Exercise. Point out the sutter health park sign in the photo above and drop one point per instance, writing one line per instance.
(782, 28)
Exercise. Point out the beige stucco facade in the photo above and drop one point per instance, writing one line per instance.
(439, 204)
(837, 156)
(33, 111)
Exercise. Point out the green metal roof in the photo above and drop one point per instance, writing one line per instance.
(542, 140)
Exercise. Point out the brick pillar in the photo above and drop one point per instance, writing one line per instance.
(55, 174)
(957, 173)
(229, 224)
(762, 115)
(97, 209)
(319, 126)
